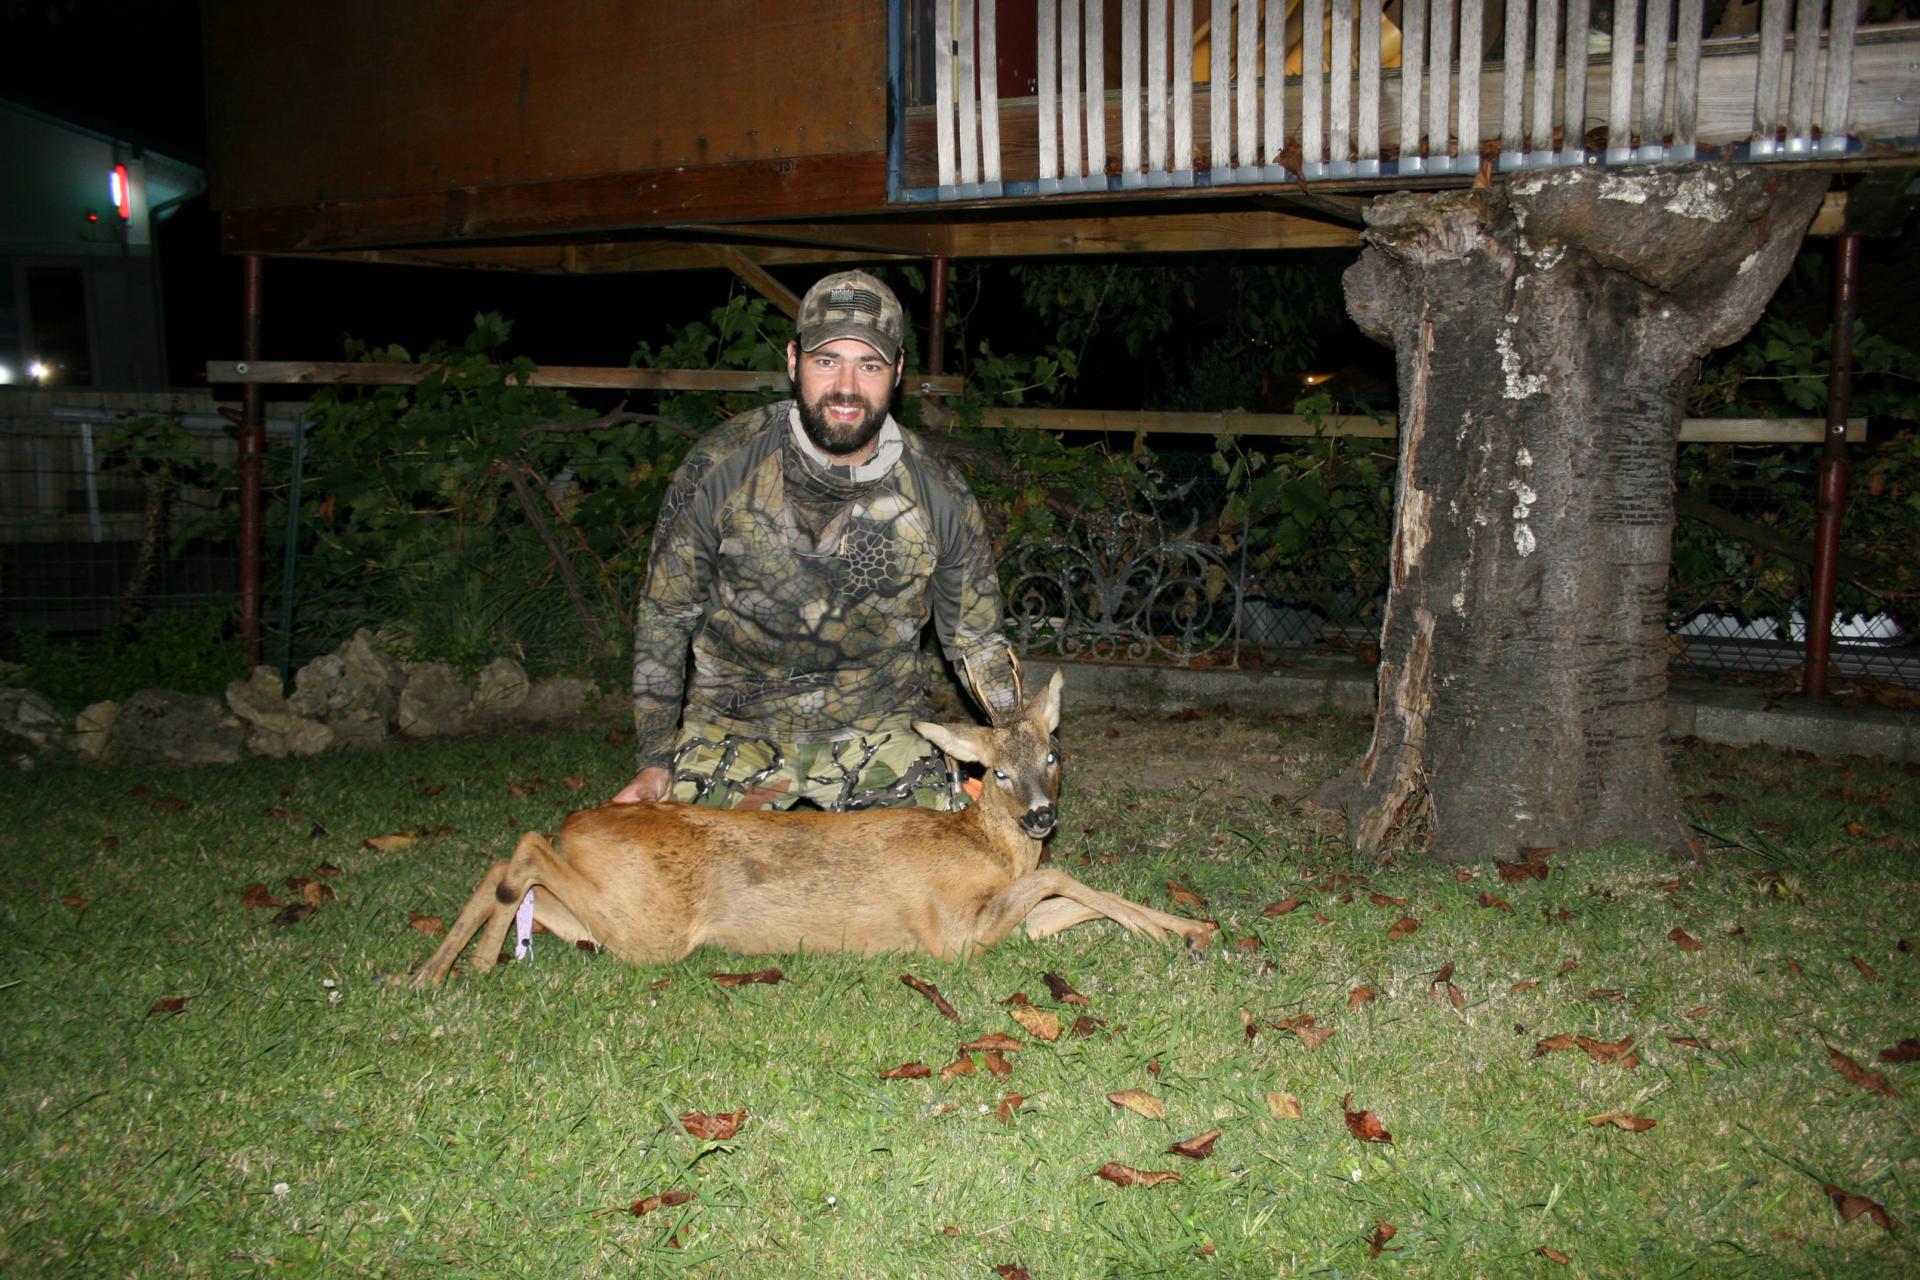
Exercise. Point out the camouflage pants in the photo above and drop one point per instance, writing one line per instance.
(883, 770)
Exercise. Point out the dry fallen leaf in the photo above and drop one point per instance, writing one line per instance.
(390, 843)
(1125, 1176)
(1364, 1125)
(907, 1071)
(1684, 940)
(1038, 1022)
(1691, 1042)
(1852, 1206)
(1515, 872)
(1378, 1240)
(1401, 928)
(293, 914)
(1554, 1044)
(1623, 1120)
(1247, 944)
(326, 870)
(997, 1067)
(1012, 1271)
(1907, 1050)
(1495, 900)
(1566, 968)
(573, 783)
(1084, 1026)
(1197, 1148)
(1865, 969)
(1857, 1075)
(429, 925)
(1283, 1106)
(1183, 896)
(717, 1127)
(1140, 1102)
(1361, 995)
(996, 1041)
(1616, 1053)
(1311, 1036)
(1382, 900)
(1554, 1255)
(73, 900)
(1528, 985)
(1062, 990)
(257, 895)
(1008, 1105)
(172, 1004)
(1282, 907)
(963, 1065)
(932, 993)
(765, 977)
(317, 892)
(664, 1200)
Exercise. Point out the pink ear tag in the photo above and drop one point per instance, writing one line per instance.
(523, 929)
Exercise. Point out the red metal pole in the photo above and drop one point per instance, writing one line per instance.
(1831, 501)
(253, 445)
(937, 318)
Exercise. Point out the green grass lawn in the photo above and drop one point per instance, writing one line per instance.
(304, 1112)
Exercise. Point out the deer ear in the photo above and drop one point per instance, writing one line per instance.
(961, 744)
(1050, 701)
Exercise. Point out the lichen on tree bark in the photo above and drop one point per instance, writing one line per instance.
(1546, 332)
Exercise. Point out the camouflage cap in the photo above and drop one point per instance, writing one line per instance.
(852, 304)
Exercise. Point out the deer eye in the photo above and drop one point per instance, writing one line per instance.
(1049, 757)
(1000, 774)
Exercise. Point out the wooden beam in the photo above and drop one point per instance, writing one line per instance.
(1365, 426)
(618, 256)
(374, 374)
(803, 186)
(755, 275)
(1082, 231)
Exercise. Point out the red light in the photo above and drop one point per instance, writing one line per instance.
(122, 192)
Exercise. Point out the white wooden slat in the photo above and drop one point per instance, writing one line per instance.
(1070, 93)
(1274, 84)
(1546, 50)
(1439, 83)
(1413, 60)
(1513, 85)
(1129, 90)
(1047, 47)
(1340, 89)
(1686, 78)
(989, 93)
(943, 92)
(1653, 87)
(1246, 87)
(1766, 84)
(1157, 86)
(1367, 125)
(1835, 123)
(1574, 118)
(1096, 98)
(1472, 28)
(1626, 15)
(1806, 51)
(1183, 86)
(963, 92)
(1313, 85)
(1220, 86)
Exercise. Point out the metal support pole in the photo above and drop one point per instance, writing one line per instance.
(937, 318)
(1830, 503)
(253, 445)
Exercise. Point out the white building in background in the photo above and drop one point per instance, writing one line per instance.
(79, 283)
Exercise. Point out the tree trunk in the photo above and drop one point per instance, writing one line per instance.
(1546, 331)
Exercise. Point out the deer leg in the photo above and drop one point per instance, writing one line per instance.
(1051, 900)
(480, 909)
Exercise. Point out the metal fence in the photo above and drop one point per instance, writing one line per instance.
(95, 538)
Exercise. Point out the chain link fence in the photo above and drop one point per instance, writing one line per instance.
(101, 535)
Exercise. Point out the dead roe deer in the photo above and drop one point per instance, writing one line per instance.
(653, 881)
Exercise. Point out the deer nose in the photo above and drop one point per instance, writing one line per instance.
(1039, 822)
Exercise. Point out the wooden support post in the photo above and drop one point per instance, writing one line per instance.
(253, 444)
(1830, 502)
(937, 318)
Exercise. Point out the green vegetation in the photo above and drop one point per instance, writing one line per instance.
(193, 1089)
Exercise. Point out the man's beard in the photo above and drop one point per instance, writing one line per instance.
(832, 438)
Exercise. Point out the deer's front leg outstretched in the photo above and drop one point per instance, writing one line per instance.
(1024, 897)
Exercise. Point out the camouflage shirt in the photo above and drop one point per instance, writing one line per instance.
(804, 590)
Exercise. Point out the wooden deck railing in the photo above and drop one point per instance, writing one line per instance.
(1192, 102)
